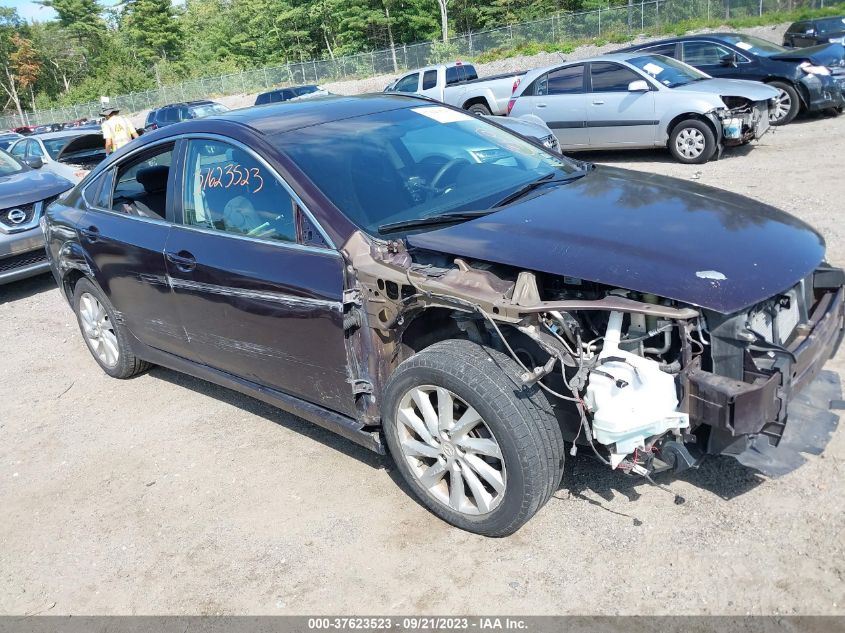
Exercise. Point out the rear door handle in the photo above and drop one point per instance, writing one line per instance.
(92, 233)
(598, 102)
(183, 260)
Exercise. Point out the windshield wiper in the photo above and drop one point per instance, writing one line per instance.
(443, 218)
(548, 179)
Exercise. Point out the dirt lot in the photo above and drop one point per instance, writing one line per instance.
(164, 494)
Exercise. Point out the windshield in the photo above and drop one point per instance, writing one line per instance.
(9, 165)
(200, 111)
(754, 45)
(417, 162)
(670, 72)
(831, 25)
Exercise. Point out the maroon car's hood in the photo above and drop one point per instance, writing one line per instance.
(644, 232)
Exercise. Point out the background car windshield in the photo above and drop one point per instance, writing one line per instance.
(753, 45)
(8, 165)
(670, 72)
(831, 25)
(416, 162)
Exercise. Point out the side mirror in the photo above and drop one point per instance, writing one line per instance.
(35, 163)
(640, 85)
(728, 60)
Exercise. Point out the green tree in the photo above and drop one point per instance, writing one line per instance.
(151, 28)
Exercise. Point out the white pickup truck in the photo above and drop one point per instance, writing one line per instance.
(458, 84)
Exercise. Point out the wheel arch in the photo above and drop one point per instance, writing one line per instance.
(691, 115)
(478, 100)
(801, 89)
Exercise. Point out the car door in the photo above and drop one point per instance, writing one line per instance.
(408, 83)
(124, 232)
(710, 58)
(617, 116)
(429, 84)
(559, 98)
(256, 300)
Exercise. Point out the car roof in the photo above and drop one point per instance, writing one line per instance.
(281, 117)
(608, 57)
(46, 136)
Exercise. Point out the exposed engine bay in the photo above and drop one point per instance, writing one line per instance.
(646, 383)
(743, 120)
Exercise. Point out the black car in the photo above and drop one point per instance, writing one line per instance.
(288, 94)
(809, 79)
(176, 112)
(431, 284)
(24, 194)
(814, 32)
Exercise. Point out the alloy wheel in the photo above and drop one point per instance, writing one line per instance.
(783, 104)
(450, 450)
(690, 143)
(98, 329)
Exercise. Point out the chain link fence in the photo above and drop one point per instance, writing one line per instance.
(628, 21)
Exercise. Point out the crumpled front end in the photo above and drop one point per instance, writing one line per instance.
(742, 120)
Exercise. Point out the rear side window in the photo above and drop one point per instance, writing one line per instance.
(564, 81)
(607, 77)
(470, 73)
(168, 115)
(429, 79)
(141, 188)
(226, 189)
(266, 97)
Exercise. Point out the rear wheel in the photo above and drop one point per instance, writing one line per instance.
(692, 142)
(477, 447)
(479, 108)
(787, 104)
(103, 333)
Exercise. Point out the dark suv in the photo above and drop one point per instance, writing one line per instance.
(809, 79)
(176, 112)
(421, 280)
(815, 32)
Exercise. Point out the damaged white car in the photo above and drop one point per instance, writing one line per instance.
(642, 100)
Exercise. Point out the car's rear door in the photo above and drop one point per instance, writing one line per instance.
(257, 299)
(559, 98)
(617, 117)
(124, 231)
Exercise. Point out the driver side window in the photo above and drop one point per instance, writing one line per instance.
(226, 189)
(704, 53)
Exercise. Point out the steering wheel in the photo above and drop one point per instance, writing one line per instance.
(441, 173)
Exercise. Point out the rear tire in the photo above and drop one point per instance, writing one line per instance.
(104, 335)
(491, 452)
(787, 106)
(479, 108)
(692, 142)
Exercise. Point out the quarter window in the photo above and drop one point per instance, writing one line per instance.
(226, 189)
(607, 77)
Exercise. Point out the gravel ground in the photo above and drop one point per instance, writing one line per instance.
(164, 494)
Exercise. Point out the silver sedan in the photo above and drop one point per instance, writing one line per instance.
(638, 100)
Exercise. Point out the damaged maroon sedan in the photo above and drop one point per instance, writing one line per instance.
(421, 280)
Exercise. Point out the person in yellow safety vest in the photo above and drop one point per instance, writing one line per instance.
(117, 130)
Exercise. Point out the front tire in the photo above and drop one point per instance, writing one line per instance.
(787, 105)
(478, 448)
(104, 335)
(692, 142)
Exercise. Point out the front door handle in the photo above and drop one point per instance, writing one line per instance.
(92, 233)
(183, 260)
(541, 105)
(598, 102)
